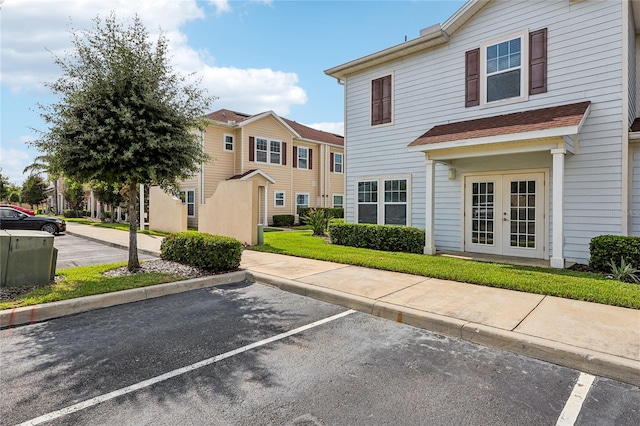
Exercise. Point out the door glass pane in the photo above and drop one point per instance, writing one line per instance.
(482, 213)
(523, 214)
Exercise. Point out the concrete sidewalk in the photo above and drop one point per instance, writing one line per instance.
(593, 338)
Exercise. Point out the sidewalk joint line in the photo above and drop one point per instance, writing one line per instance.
(529, 313)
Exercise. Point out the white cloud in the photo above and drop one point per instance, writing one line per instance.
(29, 27)
(13, 163)
(335, 128)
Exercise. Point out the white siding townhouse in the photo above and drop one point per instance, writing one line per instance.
(510, 129)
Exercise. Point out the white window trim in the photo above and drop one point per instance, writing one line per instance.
(335, 154)
(224, 142)
(255, 150)
(298, 158)
(524, 69)
(186, 200)
(381, 179)
(275, 199)
(300, 205)
(333, 201)
(393, 100)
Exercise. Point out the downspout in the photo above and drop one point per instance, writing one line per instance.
(626, 160)
(202, 169)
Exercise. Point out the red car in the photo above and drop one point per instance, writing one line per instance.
(22, 209)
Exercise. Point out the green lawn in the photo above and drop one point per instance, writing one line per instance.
(115, 225)
(554, 282)
(87, 281)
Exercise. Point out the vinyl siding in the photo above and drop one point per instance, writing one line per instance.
(584, 63)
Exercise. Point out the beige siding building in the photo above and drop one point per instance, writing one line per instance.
(303, 166)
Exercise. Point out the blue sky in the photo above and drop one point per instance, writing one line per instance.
(254, 55)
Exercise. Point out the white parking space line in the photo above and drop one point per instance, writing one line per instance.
(573, 406)
(146, 383)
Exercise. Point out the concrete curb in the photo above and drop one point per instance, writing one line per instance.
(585, 360)
(37, 313)
(115, 245)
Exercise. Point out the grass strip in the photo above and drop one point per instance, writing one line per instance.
(564, 283)
(87, 281)
(122, 226)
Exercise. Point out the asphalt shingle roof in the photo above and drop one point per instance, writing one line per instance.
(518, 122)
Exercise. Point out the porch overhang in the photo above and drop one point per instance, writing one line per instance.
(252, 174)
(528, 131)
(634, 131)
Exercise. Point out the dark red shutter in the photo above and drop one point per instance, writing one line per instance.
(386, 99)
(538, 62)
(376, 102)
(295, 156)
(472, 78)
(310, 159)
(331, 162)
(284, 153)
(252, 148)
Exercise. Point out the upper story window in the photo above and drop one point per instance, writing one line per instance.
(507, 70)
(504, 70)
(381, 91)
(228, 142)
(336, 162)
(303, 157)
(263, 150)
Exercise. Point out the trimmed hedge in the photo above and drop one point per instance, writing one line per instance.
(283, 219)
(378, 237)
(336, 212)
(604, 248)
(212, 252)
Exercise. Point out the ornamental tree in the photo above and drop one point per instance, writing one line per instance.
(34, 190)
(123, 114)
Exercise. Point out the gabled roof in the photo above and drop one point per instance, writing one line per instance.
(300, 131)
(251, 173)
(564, 119)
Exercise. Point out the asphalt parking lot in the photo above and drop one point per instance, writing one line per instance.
(75, 251)
(250, 354)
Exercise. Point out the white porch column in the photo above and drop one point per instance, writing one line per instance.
(557, 238)
(142, 206)
(266, 205)
(429, 242)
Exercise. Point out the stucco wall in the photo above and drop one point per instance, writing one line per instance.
(166, 212)
(232, 211)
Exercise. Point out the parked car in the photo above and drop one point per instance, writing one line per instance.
(22, 209)
(10, 218)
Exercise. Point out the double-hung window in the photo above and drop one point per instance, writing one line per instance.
(267, 151)
(303, 157)
(279, 199)
(503, 67)
(383, 201)
(302, 200)
(188, 197)
(228, 142)
(338, 201)
(507, 70)
(337, 163)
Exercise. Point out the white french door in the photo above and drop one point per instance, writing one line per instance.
(504, 214)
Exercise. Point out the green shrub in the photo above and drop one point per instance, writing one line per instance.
(213, 252)
(329, 211)
(317, 219)
(283, 219)
(605, 248)
(70, 213)
(378, 237)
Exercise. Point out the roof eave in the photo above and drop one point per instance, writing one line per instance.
(274, 115)
(433, 36)
(417, 45)
(317, 142)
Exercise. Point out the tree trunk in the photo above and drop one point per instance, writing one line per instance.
(133, 227)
